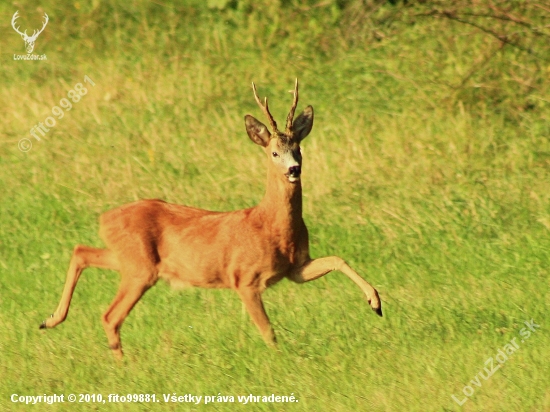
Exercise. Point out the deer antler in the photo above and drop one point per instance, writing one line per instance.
(35, 33)
(265, 109)
(290, 116)
(15, 17)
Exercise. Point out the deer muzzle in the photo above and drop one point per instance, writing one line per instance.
(294, 173)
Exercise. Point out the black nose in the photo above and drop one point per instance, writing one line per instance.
(294, 171)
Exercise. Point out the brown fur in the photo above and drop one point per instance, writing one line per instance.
(245, 250)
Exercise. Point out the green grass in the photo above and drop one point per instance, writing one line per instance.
(437, 196)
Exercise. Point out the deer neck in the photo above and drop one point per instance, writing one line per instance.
(282, 203)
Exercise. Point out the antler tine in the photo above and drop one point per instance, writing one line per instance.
(37, 32)
(13, 19)
(265, 109)
(290, 116)
(46, 20)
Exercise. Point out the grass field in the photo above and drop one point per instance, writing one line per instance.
(431, 181)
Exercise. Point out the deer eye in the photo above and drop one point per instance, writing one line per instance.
(275, 154)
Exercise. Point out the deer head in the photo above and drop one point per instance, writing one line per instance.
(282, 148)
(29, 40)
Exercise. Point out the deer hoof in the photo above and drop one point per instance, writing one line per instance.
(378, 311)
(43, 324)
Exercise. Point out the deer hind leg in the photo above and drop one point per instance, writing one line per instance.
(317, 268)
(252, 300)
(83, 257)
(131, 289)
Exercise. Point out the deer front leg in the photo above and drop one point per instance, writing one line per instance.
(252, 299)
(316, 268)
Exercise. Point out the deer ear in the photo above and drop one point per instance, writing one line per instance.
(303, 124)
(257, 131)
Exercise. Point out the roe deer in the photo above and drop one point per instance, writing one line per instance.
(245, 250)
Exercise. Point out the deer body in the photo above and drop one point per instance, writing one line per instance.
(245, 250)
(195, 247)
